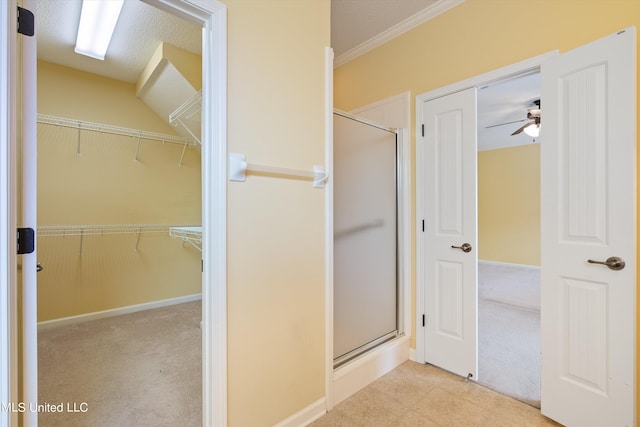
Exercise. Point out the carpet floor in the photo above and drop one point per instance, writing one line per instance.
(509, 331)
(139, 369)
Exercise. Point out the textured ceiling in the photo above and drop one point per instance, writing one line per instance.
(353, 22)
(142, 27)
(138, 33)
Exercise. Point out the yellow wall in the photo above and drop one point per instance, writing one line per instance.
(509, 205)
(475, 37)
(104, 185)
(276, 226)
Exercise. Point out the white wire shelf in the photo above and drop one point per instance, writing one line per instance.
(83, 231)
(114, 130)
(190, 234)
(189, 111)
(92, 230)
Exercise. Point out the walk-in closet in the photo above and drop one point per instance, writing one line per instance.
(119, 222)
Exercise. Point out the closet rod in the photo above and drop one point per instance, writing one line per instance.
(114, 130)
(92, 230)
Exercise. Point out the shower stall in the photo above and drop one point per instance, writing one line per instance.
(366, 293)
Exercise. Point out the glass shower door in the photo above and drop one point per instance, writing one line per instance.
(365, 237)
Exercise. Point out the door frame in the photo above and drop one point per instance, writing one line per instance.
(519, 68)
(212, 15)
(8, 220)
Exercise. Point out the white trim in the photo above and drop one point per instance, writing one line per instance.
(305, 416)
(412, 354)
(400, 28)
(404, 229)
(328, 225)
(28, 200)
(519, 68)
(213, 16)
(356, 375)
(508, 264)
(8, 282)
(503, 73)
(71, 320)
(403, 98)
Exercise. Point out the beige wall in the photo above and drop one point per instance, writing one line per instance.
(509, 205)
(475, 37)
(276, 226)
(104, 185)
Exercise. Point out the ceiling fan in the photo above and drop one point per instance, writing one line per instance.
(532, 127)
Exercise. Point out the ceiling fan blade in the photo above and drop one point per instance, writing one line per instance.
(507, 123)
(522, 128)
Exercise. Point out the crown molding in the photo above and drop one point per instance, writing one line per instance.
(400, 28)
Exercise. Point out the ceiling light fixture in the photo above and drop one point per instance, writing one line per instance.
(97, 21)
(533, 130)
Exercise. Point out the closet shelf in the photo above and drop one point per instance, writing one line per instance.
(92, 230)
(190, 234)
(114, 130)
(103, 230)
(189, 112)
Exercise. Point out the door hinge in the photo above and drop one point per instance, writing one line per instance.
(423, 129)
(26, 22)
(424, 320)
(26, 241)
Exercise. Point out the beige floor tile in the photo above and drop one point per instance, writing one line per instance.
(421, 395)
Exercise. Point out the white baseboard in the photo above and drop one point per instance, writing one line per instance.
(306, 415)
(508, 264)
(412, 354)
(47, 324)
(356, 375)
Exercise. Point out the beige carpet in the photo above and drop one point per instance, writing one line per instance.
(509, 331)
(140, 369)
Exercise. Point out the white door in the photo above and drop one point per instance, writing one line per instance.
(588, 201)
(450, 222)
(27, 197)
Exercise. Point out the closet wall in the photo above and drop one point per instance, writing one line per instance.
(509, 205)
(105, 185)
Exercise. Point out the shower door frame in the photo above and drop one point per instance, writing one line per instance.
(365, 348)
(342, 382)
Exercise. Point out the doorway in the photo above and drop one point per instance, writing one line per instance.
(212, 17)
(509, 239)
(113, 277)
(587, 183)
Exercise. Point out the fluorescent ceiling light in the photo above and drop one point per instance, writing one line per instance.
(97, 22)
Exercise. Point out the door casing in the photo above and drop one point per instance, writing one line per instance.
(212, 15)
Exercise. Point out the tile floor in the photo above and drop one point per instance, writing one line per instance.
(422, 395)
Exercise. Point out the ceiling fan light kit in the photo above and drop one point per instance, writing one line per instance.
(533, 127)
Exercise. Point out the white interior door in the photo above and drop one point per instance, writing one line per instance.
(588, 213)
(450, 222)
(27, 198)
